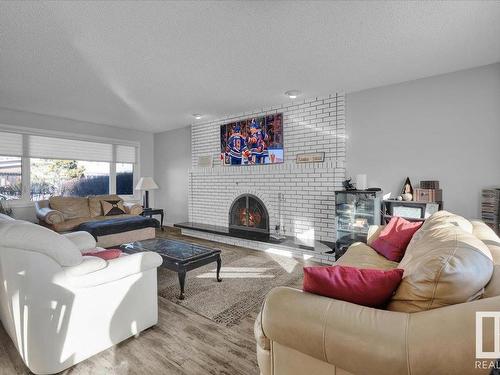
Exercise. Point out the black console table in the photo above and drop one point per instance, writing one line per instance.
(154, 211)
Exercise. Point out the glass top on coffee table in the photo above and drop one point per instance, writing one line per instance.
(178, 250)
(178, 256)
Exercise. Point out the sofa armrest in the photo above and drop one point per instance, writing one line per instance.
(262, 341)
(115, 269)
(352, 337)
(48, 215)
(82, 240)
(431, 335)
(133, 208)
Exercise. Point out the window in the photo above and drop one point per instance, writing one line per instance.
(35, 167)
(125, 158)
(124, 179)
(68, 178)
(10, 178)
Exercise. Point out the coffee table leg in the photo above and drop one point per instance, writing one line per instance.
(182, 280)
(219, 265)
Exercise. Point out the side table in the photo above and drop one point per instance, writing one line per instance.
(154, 211)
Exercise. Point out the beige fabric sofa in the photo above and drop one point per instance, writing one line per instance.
(65, 214)
(301, 333)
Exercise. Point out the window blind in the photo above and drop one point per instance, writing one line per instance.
(125, 154)
(11, 144)
(60, 148)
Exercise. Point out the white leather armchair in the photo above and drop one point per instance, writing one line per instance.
(60, 307)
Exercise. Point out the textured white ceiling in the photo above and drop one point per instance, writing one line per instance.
(150, 65)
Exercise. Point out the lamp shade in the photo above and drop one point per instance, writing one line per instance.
(146, 183)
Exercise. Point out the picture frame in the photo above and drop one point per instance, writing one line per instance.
(311, 157)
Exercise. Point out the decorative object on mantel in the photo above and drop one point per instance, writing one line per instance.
(347, 184)
(361, 182)
(428, 191)
(146, 184)
(407, 190)
(205, 161)
(429, 184)
(311, 157)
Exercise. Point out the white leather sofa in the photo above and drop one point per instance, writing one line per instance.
(432, 331)
(60, 307)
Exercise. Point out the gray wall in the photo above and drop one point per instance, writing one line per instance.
(445, 128)
(172, 163)
(32, 120)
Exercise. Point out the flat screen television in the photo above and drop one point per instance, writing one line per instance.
(253, 141)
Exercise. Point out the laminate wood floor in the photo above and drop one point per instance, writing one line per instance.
(182, 342)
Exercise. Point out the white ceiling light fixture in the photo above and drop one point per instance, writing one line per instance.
(197, 116)
(292, 94)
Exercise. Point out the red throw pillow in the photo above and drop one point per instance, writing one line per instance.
(395, 237)
(367, 287)
(107, 254)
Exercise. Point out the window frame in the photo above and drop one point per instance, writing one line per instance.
(22, 186)
(25, 199)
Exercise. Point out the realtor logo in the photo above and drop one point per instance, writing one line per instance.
(481, 317)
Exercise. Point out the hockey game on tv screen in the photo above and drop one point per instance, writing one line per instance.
(253, 141)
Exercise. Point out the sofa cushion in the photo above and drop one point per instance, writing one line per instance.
(70, 207)
(95, 203)
(361, 255)
(490, 239)
(31, 237)
(444, 219)
(394, 238)
(443, 265)
(367, 287)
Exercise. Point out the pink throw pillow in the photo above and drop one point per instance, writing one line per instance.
(107, 254)
(367, 287)
(395, 237)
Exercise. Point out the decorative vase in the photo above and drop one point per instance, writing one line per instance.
(407, 197)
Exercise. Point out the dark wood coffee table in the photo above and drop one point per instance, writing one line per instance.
(178, 256)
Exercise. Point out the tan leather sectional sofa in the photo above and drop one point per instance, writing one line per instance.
(452, 271)
(65, 214)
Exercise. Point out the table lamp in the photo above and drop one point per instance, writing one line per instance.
(146, 184)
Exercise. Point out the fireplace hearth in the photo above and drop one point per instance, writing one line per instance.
(249, 214)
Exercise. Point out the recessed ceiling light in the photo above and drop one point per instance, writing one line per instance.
(197, 116)
(292, 94)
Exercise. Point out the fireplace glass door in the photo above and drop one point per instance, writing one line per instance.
(249, 213)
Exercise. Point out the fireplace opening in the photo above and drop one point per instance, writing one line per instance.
(248, 213)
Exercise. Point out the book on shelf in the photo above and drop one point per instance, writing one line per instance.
(490, 207)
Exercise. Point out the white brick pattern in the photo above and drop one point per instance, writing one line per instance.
(316, 125)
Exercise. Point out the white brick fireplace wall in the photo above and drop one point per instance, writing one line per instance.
(308, 208)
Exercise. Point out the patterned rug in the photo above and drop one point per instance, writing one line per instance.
(247, 276)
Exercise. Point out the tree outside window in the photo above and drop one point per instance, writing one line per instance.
(68, 178)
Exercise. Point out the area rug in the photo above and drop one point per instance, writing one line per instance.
(247, 276)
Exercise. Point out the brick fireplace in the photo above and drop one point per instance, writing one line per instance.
(299, 198)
